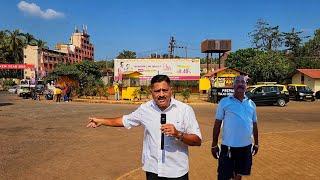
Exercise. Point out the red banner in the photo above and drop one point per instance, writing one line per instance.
(16, 66)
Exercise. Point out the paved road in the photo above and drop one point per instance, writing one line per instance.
(47, 140)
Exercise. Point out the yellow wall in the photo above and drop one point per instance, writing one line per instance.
(309, 82)
(225, 78)
(204, 84)
(127, 93)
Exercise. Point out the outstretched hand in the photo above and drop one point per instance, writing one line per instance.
(94, 122)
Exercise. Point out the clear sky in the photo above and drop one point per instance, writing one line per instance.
(145, 26)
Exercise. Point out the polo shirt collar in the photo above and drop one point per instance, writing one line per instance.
(244, 99)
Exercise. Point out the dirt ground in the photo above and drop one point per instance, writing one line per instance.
(48, 140)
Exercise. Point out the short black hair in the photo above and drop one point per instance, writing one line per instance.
(159, 78)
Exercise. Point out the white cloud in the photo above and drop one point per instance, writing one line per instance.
(34, 10)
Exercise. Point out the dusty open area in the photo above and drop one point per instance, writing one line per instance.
(48, 140)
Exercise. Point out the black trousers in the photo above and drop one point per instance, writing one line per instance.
(153, 176)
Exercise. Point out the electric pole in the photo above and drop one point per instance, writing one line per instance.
(172, 46)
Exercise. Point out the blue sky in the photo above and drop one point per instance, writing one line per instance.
(146, 26)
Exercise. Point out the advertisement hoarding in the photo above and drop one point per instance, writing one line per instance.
(176, 69)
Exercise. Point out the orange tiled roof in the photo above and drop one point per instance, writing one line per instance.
(313, 73)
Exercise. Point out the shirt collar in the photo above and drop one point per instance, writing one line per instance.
(173, 102)
(244, 99)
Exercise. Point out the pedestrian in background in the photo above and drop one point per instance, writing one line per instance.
(239, 118)
(58, 93)
(116, 91)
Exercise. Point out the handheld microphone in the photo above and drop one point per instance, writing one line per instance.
(162, 121)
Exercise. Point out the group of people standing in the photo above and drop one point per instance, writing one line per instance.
(60, 92)
(165, 143)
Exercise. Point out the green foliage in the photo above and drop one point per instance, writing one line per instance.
(260, 65)
(266, 37)
(9, 82)
(86, 73)
(292, 40)
(309, 54)
(126, 54)
(70, 70)
(137, 94)
(89, 67)
(147, 92)
(11, 50)
(186, 93)
(102, 90)
(105, 64)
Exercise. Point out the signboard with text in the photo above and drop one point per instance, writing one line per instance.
(16, 66)
(176, 69)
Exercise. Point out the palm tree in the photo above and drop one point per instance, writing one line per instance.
(2, 46)
(30, 40)
(16, 45)
(41, 44)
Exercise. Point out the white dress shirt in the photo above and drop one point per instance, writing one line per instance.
(171, 162)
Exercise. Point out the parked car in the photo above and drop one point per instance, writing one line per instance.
(300, 92)
(25, 92)
(268, 94)
(40, 89)
(13, 89)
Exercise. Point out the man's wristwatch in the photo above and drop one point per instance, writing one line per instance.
(180, 136)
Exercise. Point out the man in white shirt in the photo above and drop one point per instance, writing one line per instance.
(181, 130)
(239, 118)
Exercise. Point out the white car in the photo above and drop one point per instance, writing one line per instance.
(13, 89)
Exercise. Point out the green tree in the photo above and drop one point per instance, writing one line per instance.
(309, 54)
(87, 74)
(186, 93)
(41, 44)
(105, 64)
(126, 54)
(292, 40)
(3, 47)
(266, 37)
(89, 67)
(261, 65)
(16, 45)
(30, 39)
(312, 47)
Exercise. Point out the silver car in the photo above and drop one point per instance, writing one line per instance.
(13, 89)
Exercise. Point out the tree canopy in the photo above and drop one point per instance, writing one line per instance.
(261, 65)
(126, 54)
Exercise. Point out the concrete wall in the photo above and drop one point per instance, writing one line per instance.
(314, 84)
(31, 56)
